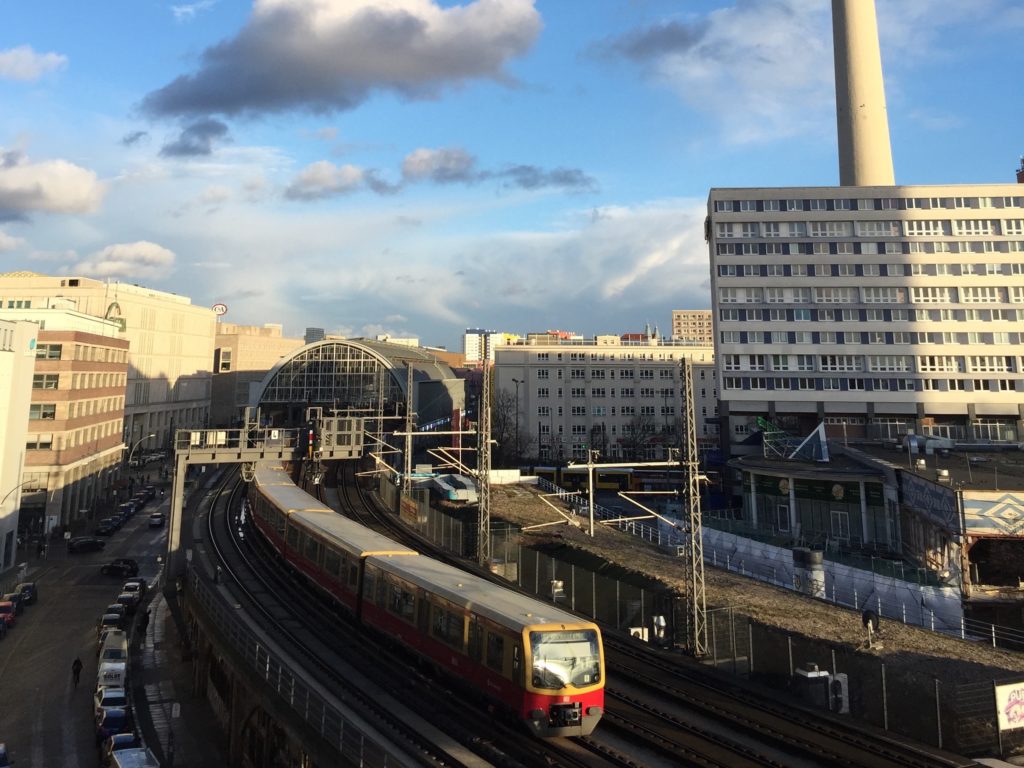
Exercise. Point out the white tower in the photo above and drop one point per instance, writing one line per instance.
(865, 154)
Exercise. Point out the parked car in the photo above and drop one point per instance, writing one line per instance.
(16, 598)
(106, 527)
(118, 743)
(7, 612)
(129, 600)
(118, 608)
(137, 585)
(122, 566)
(111, 720)
(112, 635)
(156, 520)
(5, 756)
(107, 696)
(85, 544)
(29, 590)
(109, 621)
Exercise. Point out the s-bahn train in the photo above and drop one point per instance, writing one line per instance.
(542, 664)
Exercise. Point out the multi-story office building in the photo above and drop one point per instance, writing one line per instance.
(242, 356)
(171, 346)
(73, 446)
(476, 340)
(693, 326)
(622, 398)
(313, 335)
(876, 309)
(17, 364)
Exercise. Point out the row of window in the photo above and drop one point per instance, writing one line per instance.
(544, 393)
(580, 411)
(846, 315)
(544, 357)
(601, 373)
(74, 438)
(842, 384)
(899, 363)
(848, 294)
(48, 411)
(867, 204)
(870, 270)
(748, 230)
(870, 337)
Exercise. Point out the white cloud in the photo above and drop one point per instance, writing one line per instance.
(9, 242)
(141, 259)
(324, 179)
(23, 63)
(56, 186)
(183, 13)
(440, 165)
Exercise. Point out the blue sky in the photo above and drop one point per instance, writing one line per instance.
(417, 167)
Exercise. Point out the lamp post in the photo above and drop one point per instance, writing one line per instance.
(517, 382)
(138, 442)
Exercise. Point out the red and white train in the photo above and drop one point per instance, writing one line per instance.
(544, 665)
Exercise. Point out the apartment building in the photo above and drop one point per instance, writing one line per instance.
(171, 346)
(17, 365)
(620, 397)
(693, 326)
(880, 310)
(476, 342)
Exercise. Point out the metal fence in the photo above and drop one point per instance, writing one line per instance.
(288, 684)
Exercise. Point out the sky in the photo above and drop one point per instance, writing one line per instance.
(419, 167)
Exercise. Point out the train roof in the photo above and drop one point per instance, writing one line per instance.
(350, 535)
(271, 473)
(493, 601)
(290, 499)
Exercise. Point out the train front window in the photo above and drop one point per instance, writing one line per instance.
(565, 659)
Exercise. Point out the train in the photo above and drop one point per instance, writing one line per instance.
(542, 665)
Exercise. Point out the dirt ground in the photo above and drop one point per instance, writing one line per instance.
(944, 657)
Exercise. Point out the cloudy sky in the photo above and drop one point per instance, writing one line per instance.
(417, 167)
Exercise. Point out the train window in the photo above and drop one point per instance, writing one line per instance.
(353, 575)
(475, 639)
(496, 652)
(448, 626)
(332, 563)
(311, 550)
(565, 658)
(368, 585)
(401, 602)
(293, 537)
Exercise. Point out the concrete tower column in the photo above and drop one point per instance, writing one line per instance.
(865, 154)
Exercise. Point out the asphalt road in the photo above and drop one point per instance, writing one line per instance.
(44, 719)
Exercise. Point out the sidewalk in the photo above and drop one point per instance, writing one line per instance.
(177, 725)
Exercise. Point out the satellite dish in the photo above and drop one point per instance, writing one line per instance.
(870, 619)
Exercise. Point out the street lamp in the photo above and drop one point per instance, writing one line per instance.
(139, 442)
(517, 382)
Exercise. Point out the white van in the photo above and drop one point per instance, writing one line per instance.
(113, 674)
(114, 648)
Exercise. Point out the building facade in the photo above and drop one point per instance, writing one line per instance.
(241, 358)
(622, 398)
(693, 326)
(17, 365)
(74, 448)
(879, 310)
(476, 342)
(171, 346)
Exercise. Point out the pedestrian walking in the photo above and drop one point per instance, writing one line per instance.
(76, 670)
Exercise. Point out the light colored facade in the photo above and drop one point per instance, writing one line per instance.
(171, 346)
(693, 326)
(476, 340)
(74, 446)
(877, 309)
(242, 356)
(622, 398)
(17, 363)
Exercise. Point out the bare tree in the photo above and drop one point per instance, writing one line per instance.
(636, 434)
(503, 429)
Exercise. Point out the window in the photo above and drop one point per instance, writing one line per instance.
(42, 442)
(878, 228)
(42, 411)
(794, 205)
(776, 270)
(48, 352)
(542, 392)
(577, 392)
(798, 270)
(888, 295)
(45, 381)
(222, 362)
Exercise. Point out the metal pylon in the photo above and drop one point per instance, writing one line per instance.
(697, 619)
(407, 464)
(483, 464)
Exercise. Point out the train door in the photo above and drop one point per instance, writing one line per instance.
(517, 664)
(475, 640)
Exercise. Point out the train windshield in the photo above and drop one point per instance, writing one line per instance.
(566, 658)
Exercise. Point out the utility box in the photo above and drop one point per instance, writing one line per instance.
(813, 685)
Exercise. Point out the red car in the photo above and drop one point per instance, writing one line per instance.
(7, 612)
